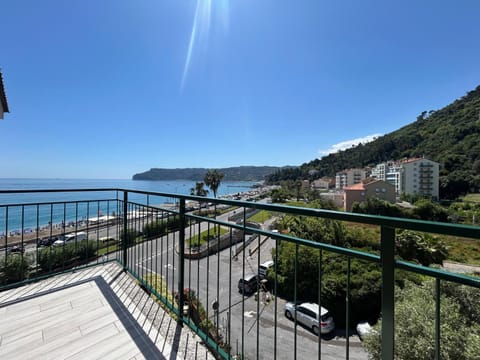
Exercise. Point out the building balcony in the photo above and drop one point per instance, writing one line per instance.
(116, 273)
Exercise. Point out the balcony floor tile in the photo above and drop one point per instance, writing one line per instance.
(94, 313)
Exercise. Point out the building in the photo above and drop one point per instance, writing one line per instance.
(367, 189)
(3, 98)
(349, 177)
(322, 184)
(390, 172)
(420, 176)
(416, 176)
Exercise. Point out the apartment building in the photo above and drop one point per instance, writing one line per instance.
(390, 172)
(349, 177)
(322, 184)
(420, 177)
(416, 176)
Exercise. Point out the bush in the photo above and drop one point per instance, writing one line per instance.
(130, 237)
(161, 227)
(68, 255)
(415, 327)
(154, 229)
(419, 247)
(427, 210)
(15, 269)
(365, 282)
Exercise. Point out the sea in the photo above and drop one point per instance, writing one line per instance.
(16, 218)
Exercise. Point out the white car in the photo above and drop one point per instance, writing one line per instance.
(262, 270)
(70, 238)
(308, 315)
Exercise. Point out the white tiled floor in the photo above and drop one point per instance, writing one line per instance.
(91, 314)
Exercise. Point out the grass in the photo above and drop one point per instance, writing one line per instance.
(205, 236)
(472, 198)
(463, 250)
(107, 249)
(261, 216)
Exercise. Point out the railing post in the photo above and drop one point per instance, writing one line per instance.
(181, 262)
(125, 229)
(387, 255)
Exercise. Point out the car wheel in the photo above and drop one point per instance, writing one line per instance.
(288, 315)
(315, 329)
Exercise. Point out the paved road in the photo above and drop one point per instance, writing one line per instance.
(216, 277)
(252, 323)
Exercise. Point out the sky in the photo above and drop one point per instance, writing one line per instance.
(106, 89)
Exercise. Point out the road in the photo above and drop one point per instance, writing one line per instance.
(215, 278)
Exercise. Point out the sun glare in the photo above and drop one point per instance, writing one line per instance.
(201, 28)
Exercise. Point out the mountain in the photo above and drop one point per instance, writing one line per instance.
(240, 173)
(450, 136)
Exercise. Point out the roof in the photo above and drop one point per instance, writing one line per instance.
(3, 97)
(411, 160)
(359, 186)
(314, 307)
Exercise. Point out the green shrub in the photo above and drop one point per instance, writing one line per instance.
(155, 229)
(130, 237)
(415, 337)
(15, 269)
(57, 257)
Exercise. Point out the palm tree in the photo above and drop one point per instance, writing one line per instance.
(198, 190)
(212, 179)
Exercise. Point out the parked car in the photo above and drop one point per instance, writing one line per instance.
(308, 315)
(104, 239)
(262, 270)
(249, 284)
(71, 237)
(47, 241)
(16, 249)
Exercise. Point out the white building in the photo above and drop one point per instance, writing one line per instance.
(420, 177)
(322, 184)
(390, 172)
(349, 177)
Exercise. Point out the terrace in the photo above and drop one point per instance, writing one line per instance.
(136, 289)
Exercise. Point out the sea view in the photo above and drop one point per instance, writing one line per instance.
(84, 204)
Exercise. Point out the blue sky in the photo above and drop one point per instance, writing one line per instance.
(106, 89)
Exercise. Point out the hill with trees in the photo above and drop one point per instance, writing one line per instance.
(239, 173)
(449, 136)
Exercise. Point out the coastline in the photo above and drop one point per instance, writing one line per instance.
(92, 223)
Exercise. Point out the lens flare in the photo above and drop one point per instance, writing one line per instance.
(201, 29)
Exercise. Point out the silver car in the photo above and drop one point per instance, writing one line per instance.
(307, 314)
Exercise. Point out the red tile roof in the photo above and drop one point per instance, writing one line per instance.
(359, 186)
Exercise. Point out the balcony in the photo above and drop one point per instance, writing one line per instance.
(163, 275)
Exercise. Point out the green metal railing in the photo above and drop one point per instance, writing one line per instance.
(165, 259)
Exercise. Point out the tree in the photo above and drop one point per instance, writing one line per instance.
(199, 189)
(212, 179)
(298, 188)
(420, 247)
(415, 327)
(425, 209)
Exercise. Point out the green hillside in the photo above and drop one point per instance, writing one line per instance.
(450, 136)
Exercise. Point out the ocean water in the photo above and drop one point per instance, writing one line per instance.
(84, 204)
